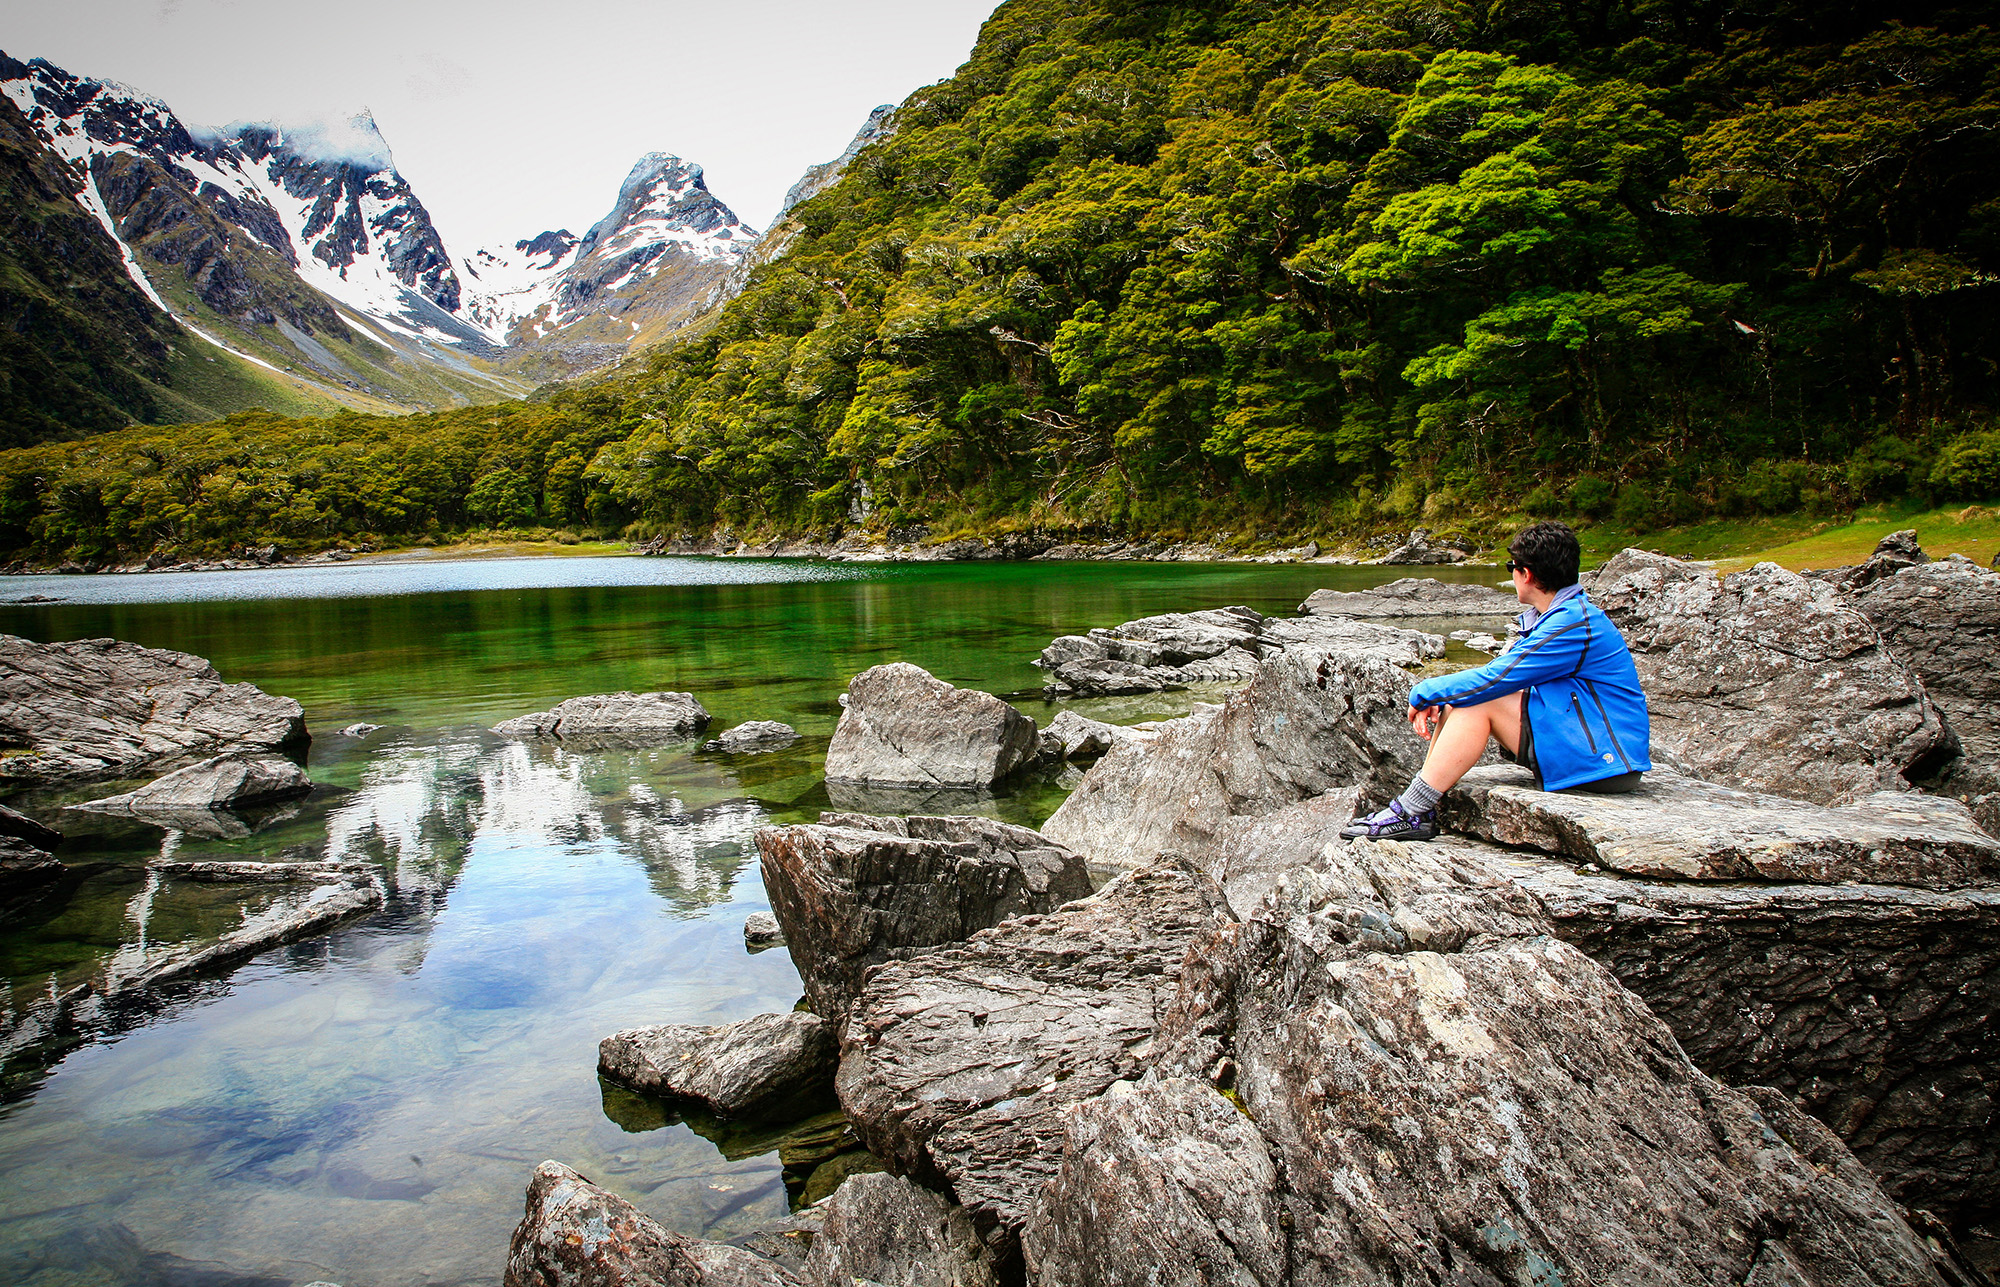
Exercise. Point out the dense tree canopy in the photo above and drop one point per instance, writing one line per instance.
(1301, 261)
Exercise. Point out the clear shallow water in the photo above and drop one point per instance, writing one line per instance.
(365, 1108)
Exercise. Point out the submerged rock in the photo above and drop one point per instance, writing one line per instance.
(225, 782)
(958, 1065)
(26, 872)
(575, 1234)
(360, 730)
(854, 891)
(904, 727)
(1308, 723)
(764, 1062)
(884, 1230)
(1767, 681)
(1870, 1005)
(1413, 597)
(258, 873)
(22, 827)
(103, 708)
(1217, 646)
(1448, 1093)
(613, 719)
(329, 904)
(1680, 828)
(757, 735)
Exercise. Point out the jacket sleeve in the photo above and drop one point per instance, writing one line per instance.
(1534, 659)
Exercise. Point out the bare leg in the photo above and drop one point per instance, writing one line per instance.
(1458, 745)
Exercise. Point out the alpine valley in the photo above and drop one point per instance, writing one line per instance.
(156, 271)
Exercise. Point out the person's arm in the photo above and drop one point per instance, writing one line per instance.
(1535, 658)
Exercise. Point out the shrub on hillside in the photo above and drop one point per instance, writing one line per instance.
(1969, 466)
(1590, 496)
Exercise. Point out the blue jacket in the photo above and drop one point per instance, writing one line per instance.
(1584, 704)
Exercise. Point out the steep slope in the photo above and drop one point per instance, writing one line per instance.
(638, 274)
(302, 250)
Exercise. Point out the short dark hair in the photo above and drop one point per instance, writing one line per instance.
(1550, 553)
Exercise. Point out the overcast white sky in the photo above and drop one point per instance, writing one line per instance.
(509, 117)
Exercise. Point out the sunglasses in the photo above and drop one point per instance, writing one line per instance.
(1513, 567)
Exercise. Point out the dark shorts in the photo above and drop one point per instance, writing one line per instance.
(1617, 784)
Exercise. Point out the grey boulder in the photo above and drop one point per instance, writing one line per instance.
(1413, 597)
(1216, 646)
(613, 719)
(1942, 620)
(1450, 1094)
(767, 1062)
(1680, 828)
(754, 736)
(575, 1234)
(1418, 549)
(1088, 739)
(901, 726)
(882, 1229)
(760, 930)
(1309, 722)
(958, 1065)
(1893, 553)
(103, 708)
(1767, 681)
(1870, 1005)
(225, 782)
(855, 891)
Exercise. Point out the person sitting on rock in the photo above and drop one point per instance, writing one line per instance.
(1563, 700)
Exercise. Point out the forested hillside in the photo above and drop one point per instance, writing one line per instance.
(1288, 266)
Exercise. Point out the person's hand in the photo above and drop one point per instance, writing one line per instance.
(1427, 719)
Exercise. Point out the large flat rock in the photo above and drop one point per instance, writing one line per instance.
(1414, 597)
(613, 720)
(1680, 828)
(224, 782)
(1309, 722)
(855, 891)
(1768, 681)
(1451, 1094)
(958, 1065)
(1873, 1006)
(902, 726)
(102, 708)
(1215, 646)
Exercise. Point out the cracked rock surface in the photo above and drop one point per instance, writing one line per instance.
(958, 1065)
(613, 719)
(884, 1230)
(1680, 828)
(902, 726)
(102, 708)
(854, 891)
(1308, 723)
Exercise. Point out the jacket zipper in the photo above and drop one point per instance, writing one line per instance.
(1582, 723)
(1608, 730)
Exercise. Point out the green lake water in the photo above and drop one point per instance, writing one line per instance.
(365, 1108)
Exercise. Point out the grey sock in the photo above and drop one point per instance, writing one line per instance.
(1420, 796)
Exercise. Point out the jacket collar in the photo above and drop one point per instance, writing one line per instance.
(1529, 616)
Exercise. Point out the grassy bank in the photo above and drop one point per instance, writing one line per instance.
(1799, 541)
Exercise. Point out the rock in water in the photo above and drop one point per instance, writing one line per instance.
(575, 1234)
(1217, 646)
(1413, 597)
(22, 827)
(1451, 1094)
(760, 930)
(957, 1065)
(1678, 828)
(225, 782)
(360, 730)
(855, 891)
(1766, 681)
(757, 735)
(102, 708)
(613, 719)
(1308, 723)
(904, 727)
(1870, 1005)
(1172, 1170)
(884, 1230)
(1087, 739)
(770, 1061)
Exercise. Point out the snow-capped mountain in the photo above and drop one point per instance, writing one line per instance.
(664, 244)
(299, 248)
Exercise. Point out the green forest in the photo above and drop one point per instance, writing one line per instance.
(1256, 265)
